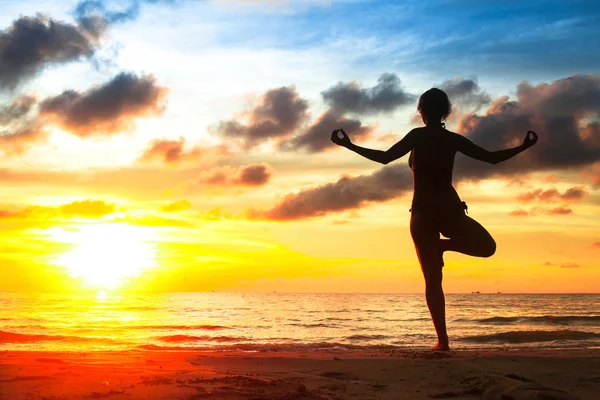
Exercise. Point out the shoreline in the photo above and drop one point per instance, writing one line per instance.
(336, 375)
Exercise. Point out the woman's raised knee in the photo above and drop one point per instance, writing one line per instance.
(489, 248)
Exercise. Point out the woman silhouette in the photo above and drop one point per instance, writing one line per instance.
(436, 207)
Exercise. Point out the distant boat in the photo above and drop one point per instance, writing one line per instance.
(476, 292)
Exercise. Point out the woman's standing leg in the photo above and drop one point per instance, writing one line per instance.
(426, 238)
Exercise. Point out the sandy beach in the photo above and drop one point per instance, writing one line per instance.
(501, 375)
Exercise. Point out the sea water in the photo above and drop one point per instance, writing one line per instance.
(294, 322)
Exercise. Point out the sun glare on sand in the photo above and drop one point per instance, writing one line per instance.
(105, 255)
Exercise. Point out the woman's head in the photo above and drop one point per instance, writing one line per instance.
(434, 106)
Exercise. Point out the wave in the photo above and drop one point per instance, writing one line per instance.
(82, 328)
(367, 337)
(593, 320)
(14, 338)
(182, 327)
(515, 337)
(10, 337)
(335, 319)
(314, 325)
(188, 338)
(269, 347)
(137, 308)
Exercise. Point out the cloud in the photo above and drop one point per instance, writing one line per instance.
(171, 151)
(253, 175)
(574, 194)
(558, 211)
(152, 221)
(591, 132)
(552, 178)
(95, 17)
(31, 43)
(595, 245)
(465, 93)
(386, 96)
(317, 137)
(30, 212)
(177, 206)
(563, 265)
(569, 265)
(87, 209)
(248, 175)
(18, 109)
(592, 173)
(348, 193)
(18, 140)
(105, 109)
(520, 213)
(558, 111)
(84, 208)
(277, 115)
(552, 195)
(561, 210)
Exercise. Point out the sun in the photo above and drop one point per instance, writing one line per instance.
(104, 256)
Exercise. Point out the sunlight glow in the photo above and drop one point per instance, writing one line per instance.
(105, 255)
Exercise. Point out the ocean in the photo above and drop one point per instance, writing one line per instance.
(294, 322)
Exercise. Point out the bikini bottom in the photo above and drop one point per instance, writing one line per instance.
(427, 222)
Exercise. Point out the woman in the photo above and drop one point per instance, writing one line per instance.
(436, 207)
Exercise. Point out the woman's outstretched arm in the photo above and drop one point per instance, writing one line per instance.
(384, 157)
(470, 149)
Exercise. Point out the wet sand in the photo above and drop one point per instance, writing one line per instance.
(501, 375)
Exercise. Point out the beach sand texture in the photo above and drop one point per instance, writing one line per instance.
(498, 375)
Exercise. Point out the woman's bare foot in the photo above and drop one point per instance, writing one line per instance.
(439, 347)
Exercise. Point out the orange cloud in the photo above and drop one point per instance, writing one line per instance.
(248, 175)
(561, 210)
(569, 265)
(17, 141)
(176, 206)
(84, 208)
(171, 151)
(87, 209)
(30, 212)
(552, 195)
(520, 213)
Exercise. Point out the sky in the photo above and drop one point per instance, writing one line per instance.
(178, 145)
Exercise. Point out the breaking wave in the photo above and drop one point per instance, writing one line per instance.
(515, 337)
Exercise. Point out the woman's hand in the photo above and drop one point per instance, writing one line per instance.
(530, 139)
(344, 141)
